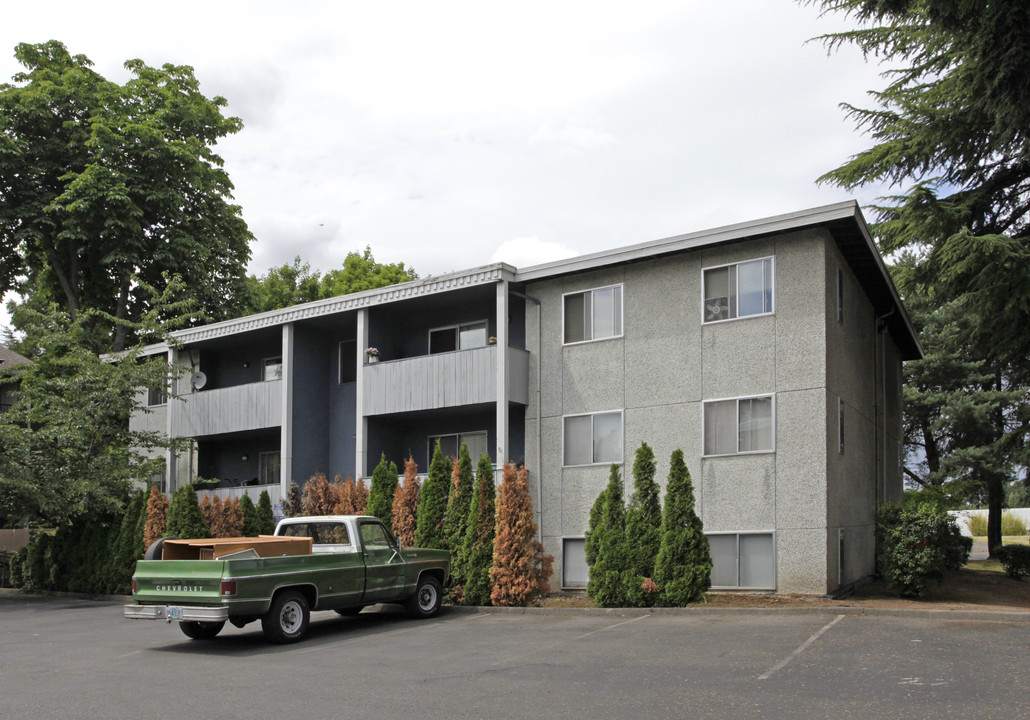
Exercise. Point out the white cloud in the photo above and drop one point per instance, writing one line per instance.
(526, 251)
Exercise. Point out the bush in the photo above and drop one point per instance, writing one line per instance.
(610, 573)
(185, 519)
(478, 546)
(432, 503)
(683, 569)
(1015, 559)
(1010, 524)
(17, 565)
(643, 528)
(265, 516)
(915, 546)
(405, 505)
(384, 486)
(521, 571)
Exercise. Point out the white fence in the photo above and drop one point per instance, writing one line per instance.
(962, 517)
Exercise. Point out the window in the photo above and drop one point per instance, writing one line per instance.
(451, 444)
(268, 468)
(574, 570)
(743, 560)
(156, 396)
(735, 291)
(348, 361)
(374, 535)
(593, 315)
(457, 337)
(593, 439)
(272, 369)
(743, 425)
(840, 426)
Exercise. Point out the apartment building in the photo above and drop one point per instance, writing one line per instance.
(770, 352)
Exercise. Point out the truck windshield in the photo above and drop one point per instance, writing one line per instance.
(320, 533)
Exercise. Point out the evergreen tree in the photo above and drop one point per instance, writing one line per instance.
(184, 517)
(292, 504)
(361, 497)
(521, 571)
(265, 515)
(432, 503)
(249, 512)
(346, 503)
(477, 550)
(319, 497)
(596, 520)
(380, 495)
(684, 567)
(231, 518)
(643, 526)
(138, 548)
(157, 513)
(207, 511)
(123, 552)
(405, 505)
(462, 487)
(610, 574)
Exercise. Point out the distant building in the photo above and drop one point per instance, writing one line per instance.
(9, 364)
(769, 351)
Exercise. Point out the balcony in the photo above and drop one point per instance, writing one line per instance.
(226, 410)
(465, 377)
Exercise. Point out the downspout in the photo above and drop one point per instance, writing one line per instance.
(539, 434)
(881, 326)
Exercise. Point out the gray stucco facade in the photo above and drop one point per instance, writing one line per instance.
(784, 392)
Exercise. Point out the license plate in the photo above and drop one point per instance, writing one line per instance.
(173, 613)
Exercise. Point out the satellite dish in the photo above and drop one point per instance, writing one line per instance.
(198, 380)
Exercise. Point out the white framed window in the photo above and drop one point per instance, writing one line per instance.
(738, 290)
(450, 445)
(272, 368)
(457, 337)
(743, 560)
(156, 396)
(739, 425)
(268, 468)
(592, 314)
(594, 439)
(574, 570)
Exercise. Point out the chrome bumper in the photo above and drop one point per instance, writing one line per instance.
(168, 613)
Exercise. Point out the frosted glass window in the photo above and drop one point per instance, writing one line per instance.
(721, 427)
(574, 563)
(724, 560)
(743, 560)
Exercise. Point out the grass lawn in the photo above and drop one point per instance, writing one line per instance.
(991, 564)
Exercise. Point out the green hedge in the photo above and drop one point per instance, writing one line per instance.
(915, 546)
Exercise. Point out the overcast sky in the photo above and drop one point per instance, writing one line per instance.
(449, 135)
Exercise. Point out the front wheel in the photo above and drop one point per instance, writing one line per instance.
(425, 603)
(200, 630)
(287, 620)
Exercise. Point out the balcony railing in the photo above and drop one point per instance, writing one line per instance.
(465, 377)
(224, 410)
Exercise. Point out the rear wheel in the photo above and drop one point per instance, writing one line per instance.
(200, 630)
(425, 603)
(287, 620)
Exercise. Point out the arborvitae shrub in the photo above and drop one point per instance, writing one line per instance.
(462, 487)
(265, 515)
(610, 574)
(477, 551)
(207, 511)
(596, 519)
(123, 552)
(319, 496)
(249, 512)
(157, 513)
(432, 503)
(232, 518)
(185, 519)
(360, 497)
(643, 527)
(521, 570)
(380, 495)
(405, 505)
(683, 569)
(346, 498)
(292, 504)
(138, 548)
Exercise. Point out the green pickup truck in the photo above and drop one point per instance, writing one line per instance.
(336, 562)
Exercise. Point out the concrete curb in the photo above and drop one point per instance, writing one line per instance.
(1005, 616)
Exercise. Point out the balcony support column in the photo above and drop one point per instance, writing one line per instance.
(286, 428)
(361, 424)
(503, 391)
(172, 458)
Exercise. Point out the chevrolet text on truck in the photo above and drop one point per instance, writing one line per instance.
(334, 562)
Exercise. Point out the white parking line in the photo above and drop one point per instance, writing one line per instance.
(783, 663)
(610, 627)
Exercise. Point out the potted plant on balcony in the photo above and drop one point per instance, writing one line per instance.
(492, 340)
(371, 355)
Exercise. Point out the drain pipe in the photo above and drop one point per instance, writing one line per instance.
(880, 326)
(539, 434)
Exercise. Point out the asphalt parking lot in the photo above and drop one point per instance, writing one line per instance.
(70, 658)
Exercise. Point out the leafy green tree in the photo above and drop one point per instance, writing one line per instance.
(643, 526)
(66, 447)
(432, 503)
(458, 503)
(291, 284)
(683, 569)
(265, 516)
(380, 494)
(611, 573)
(250, 520)
(952, 131)
(124, 185)
(184, 517)
(477, 549)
